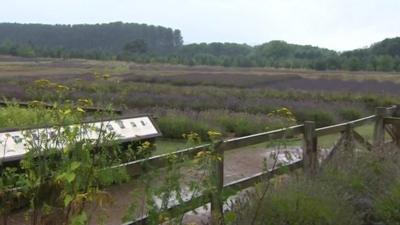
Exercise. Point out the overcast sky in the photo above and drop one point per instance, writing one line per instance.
(335, 24)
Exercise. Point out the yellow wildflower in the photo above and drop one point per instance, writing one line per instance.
(214, 135)
(43, 83)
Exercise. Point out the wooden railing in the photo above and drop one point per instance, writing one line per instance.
(385, 119)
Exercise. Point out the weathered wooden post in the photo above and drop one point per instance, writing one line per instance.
(396, 128)
(379, 129)
(310, 152)
(217, 216)
(349, 140)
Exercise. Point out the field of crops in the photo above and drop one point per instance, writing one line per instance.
(233, 101)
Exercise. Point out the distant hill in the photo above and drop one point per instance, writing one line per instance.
(380, 56)
(273, 53)
(110, 37)
(147, 44)
(389, 47)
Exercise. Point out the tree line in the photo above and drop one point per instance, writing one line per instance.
(381, 56)
(71, 40)
(154, 44)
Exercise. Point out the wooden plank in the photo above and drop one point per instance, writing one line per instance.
(349, 140)
(310, 150)
(235, 143)
(342, 126)
(396, 127)
(155, 162)
(176, 209)
(217, 213)
(360, 139)
(390, 130)
(391, 109)
(335, 148)
(392, 120)
(379, 128)
(235, 185)
(159, 161)
(263, 176)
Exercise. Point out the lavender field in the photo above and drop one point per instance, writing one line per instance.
(233, 101)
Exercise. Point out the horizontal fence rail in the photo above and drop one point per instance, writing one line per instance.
(343, 126)
(309, 162)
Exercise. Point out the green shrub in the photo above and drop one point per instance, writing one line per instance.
(364, 180)
(241, 126)
(322, 118)
(292, 206)
(174, 126)
(299, 203)
(388, 208)
(350, 114)
(369, 174)
(346, 191)
(14, 116)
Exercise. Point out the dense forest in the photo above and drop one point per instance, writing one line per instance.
(108, 38)
(147, 44)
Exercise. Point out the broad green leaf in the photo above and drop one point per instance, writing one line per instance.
(70, 176)
(230, 217)
(80, 219)
(67, 200)
(75, 165)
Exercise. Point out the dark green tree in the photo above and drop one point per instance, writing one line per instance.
(136, 47)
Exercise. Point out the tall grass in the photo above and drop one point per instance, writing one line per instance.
(174, 123)
(15, 116)
(362, 190)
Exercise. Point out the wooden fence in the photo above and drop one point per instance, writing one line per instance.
(385, 119)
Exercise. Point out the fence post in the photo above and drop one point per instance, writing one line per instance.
(379, 129)
(310, 152)
(396, 128)
(349, 140)
(217, 215)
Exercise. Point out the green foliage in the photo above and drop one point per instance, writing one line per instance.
(241, 126)
(350, 114)
(15, 116)
(148, 44)
(58, 183)
(362, 189)
(87, 41)
(303, 205)
(174, 126)
(81, 219)
(136, 47)
(171, 186)
(388, 207)
(322, 118)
